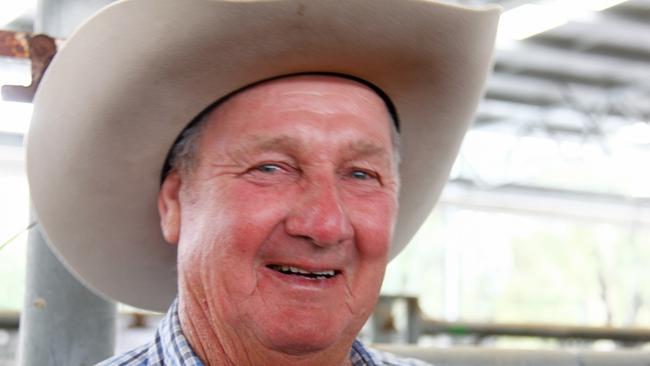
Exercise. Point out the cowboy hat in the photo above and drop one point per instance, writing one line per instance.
(129, 80)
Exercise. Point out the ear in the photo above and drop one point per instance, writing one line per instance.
(169, 207)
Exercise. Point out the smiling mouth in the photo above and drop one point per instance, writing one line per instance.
(295, 271)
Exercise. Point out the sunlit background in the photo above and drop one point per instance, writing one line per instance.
(546, 219)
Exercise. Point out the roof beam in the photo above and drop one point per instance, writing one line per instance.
(569, 66)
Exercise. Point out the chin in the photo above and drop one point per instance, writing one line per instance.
(299, 335)
(300, 341)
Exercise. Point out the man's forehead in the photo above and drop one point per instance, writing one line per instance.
(307, 91)
(293, 91)
(303, 102)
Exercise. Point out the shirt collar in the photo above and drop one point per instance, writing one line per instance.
(172, 346)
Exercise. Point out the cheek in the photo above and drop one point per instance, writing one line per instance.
(231, 210)
(225, 231)
(373, 221)
(256, 212)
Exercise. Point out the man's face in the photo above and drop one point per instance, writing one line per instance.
(285, 223)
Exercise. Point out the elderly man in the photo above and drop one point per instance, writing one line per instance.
(280, 198)
(283, 215)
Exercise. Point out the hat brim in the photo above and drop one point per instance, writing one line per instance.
(129, 80)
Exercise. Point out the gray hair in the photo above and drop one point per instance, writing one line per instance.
(183, 155)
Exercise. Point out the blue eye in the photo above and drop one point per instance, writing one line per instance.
(268, 168)
(361, 175)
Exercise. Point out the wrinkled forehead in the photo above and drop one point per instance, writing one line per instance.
(310, 91)
(303, 89)
(296, 90)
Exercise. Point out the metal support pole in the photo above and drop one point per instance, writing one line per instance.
(62, 322)
(382, 322)
(413, 320)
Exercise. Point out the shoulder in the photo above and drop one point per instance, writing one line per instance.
(389, 359)
(136, 357)
(363, 355)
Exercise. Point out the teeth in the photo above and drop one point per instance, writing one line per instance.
(326, 273)
(317, 275)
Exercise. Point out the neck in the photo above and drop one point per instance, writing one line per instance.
(218, 344)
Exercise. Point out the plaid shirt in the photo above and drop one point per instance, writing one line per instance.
(170, 348)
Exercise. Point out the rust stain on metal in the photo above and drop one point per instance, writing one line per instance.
(40, 303)
(41, 50)
(14, 44)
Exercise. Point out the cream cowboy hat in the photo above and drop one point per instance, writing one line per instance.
(129, 80)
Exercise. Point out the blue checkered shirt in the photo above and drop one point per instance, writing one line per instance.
(170, 348)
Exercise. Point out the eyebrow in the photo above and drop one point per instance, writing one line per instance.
(366, 148)
(281, 143)
(261, 143)
(358, 149)
(278, 143)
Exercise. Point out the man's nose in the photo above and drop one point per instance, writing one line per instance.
(319, 215)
